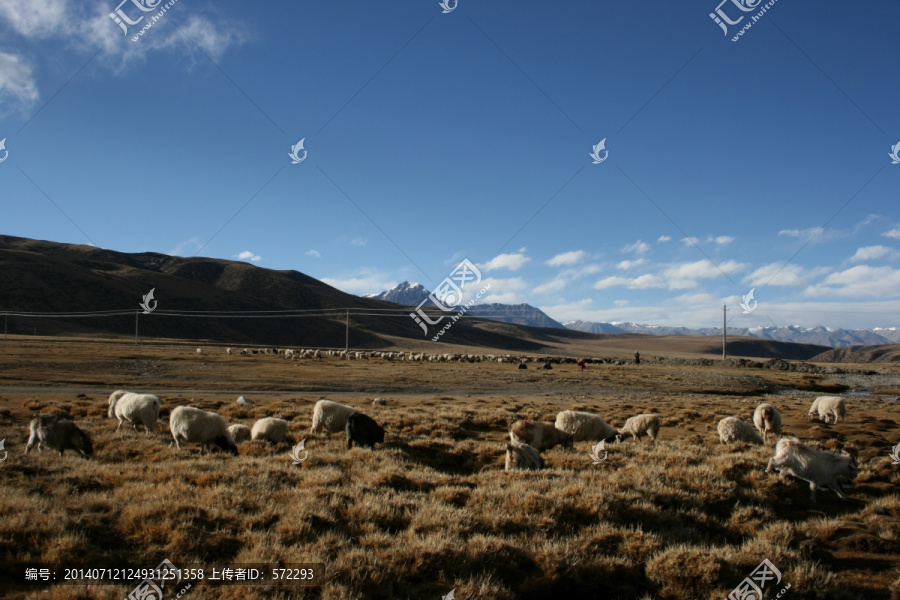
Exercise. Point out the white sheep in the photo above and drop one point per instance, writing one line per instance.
(767, 420)
(228, 351)
(58, 433)
(242, 400)
(189, 424)
(732, 429)
(522, 456)
(378, 402)
(135, 408)
(270, 429)
(827, 406)
(330, 417)
(816, 467)
(540, 436)
(638, 425)
(240, 432)
(584, 425)
(199, 350)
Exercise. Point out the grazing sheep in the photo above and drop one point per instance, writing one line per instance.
(189, 424)
(732, 429)
(228, 351)
(638, 425)
(584, 425)
(363, 430)
(57, 433)
(816, 467)
(767, 420)
(199, 350)
(540, 436)
(270, 429)
(828, 405)
(240, 432)
(522, 366)
(522, 457)
(330, 417)
(135, 408)
(379, 402)
(242, 400)
(547, 366)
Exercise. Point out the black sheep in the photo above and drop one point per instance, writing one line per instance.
(364, 431)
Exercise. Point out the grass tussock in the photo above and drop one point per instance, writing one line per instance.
(432, 509)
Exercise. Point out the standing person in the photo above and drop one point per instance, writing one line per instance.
(637, 357)
(580, 363)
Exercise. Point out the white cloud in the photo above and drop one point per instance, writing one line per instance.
(690, 241)
(513, 262)
(621, 302)
(663, 238)
(313, 253)
(685, 275)
(609, 282)
(643, 282)
(722, 240)
(638, 247)
(35, 19)
(247, 255)
(858, 282)
(182, 248)
(567, 258)
(871, 253)
(630, 264)
(803, 233)
(359, 241)
(17, 85)
(893, 233)
(779, 274)
(507, 291)
(553, 286)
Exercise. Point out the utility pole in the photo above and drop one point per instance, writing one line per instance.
(347, 333)
(724, 332)
(137, 315)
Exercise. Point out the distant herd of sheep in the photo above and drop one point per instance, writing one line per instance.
(528, 439)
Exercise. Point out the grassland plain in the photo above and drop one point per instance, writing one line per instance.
(432, 509)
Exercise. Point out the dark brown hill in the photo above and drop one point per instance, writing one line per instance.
(861, 354)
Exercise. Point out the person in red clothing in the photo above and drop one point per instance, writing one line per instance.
(581, 364)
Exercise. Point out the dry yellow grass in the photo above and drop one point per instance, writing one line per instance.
(432, 509)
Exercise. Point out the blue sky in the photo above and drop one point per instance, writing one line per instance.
(432, 137)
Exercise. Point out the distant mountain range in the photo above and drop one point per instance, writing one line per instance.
(410, 293)
(822, 336)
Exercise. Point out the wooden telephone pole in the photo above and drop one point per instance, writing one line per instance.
(724, 332)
